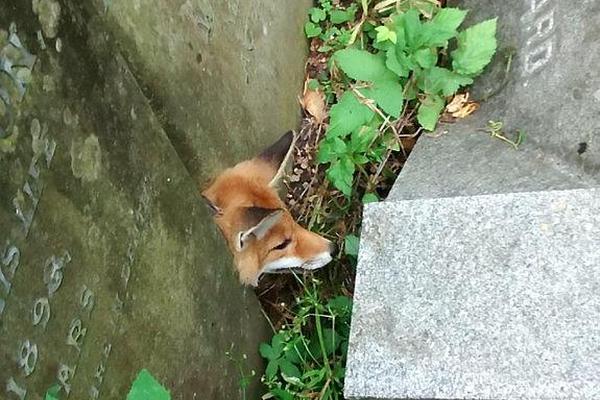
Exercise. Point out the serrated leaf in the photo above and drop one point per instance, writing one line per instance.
(442, 27)
(388, 96)
(360, 64)
(289, 369)
(394, 64)
(426, 58)
(272, 368)
(351, 245)
(384, 33)
(361, 139)
(312, 30)
(439, 80)
(266, 351)
(341, 174)
(429, 111)
(317, 14)
(476, 46)
(330, 149)
(412, 28)
(347, 115)
(341, 16)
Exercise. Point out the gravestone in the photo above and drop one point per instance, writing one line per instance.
(109, 262)
(479, 297)
(215, 71)
(477, 278)
(544, 81)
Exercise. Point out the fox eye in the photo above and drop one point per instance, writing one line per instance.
(282, 245)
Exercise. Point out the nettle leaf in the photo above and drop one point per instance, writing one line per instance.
(360, 64)
(351, 245)
(438, 80)
(312, 30)
(341, 16)
(412, 28)
(347, 115)
(429, 111)
(394, 63)
(341, 174)
(388, 96)
(317, 14)
(476, 46)
(384, 34)
(442, 27)
(331, 148)
(361, 139)
(426, 58)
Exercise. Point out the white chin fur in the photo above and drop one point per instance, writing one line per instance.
(286, 263)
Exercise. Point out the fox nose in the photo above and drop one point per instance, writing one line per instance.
(332, 248)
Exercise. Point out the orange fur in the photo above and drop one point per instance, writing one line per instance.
(246, 187)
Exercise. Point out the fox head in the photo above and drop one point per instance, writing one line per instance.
(259, 230)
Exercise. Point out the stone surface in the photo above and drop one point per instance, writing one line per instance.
(215, 71)
(551, 50)
(109, 261)
(484, 297)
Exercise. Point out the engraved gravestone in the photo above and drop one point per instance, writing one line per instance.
(109, 262)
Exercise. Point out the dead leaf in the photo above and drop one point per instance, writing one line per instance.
(457, 102)
(313, 102)
(466, 110)
(461, 107)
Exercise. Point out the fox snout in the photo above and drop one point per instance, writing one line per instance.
(259, 230)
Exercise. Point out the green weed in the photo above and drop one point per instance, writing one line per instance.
(245, 376)
(389, 65)
(306, 359)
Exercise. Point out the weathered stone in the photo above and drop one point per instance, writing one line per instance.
(110, 262)
(544, 80)
(226, 72)
(496, 296)
(483, 297)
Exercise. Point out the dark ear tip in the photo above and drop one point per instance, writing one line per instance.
(211, 206)
(278, 150)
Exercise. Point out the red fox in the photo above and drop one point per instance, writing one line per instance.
(259, 230)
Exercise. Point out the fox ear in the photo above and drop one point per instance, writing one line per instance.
(259, 221)
(214, 209)
(278, 154)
